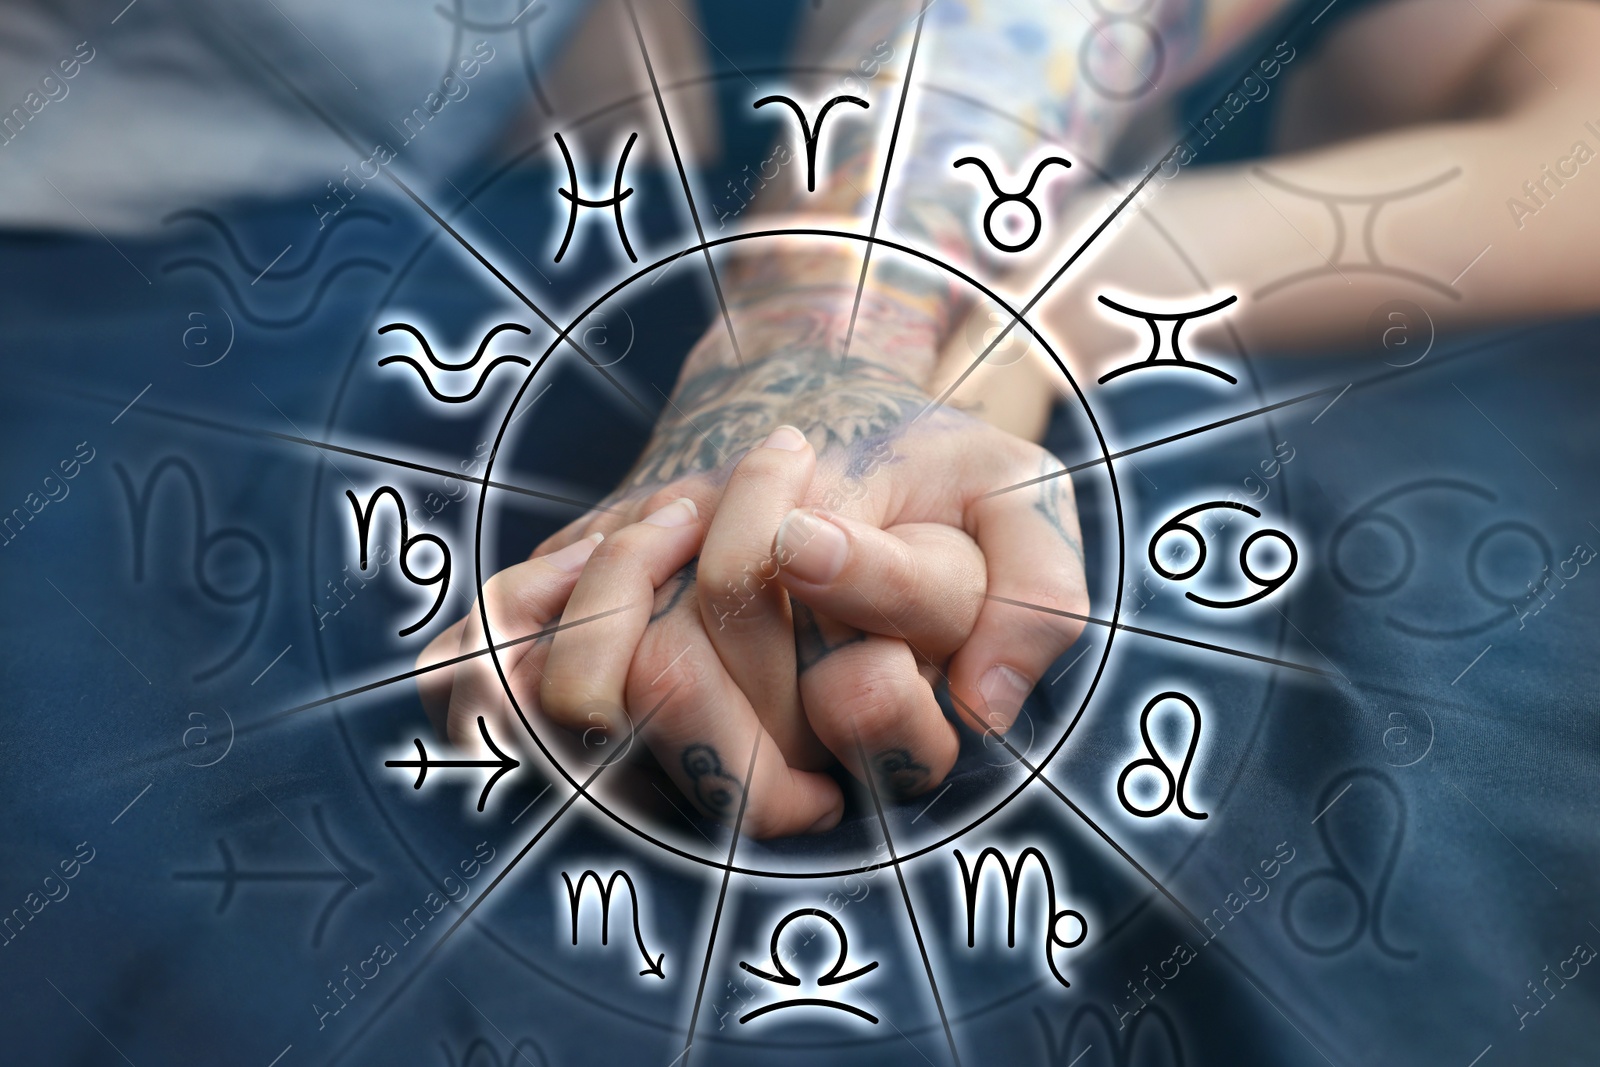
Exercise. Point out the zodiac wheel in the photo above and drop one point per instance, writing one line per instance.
(1066, 928)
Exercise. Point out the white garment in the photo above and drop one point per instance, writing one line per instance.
(167, 106)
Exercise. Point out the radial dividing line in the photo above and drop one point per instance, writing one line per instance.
(1033, 300)
(1191, 642)
(393, 461)
(722, 896)
(1188, 915)
(418, 671)
(883, 181)
(1167, 440)
(683, 176)
(1376, 379)
(338, 131)
(433, 949)
(905, 894)
(1055, 277)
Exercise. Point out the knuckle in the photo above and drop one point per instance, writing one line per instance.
(662, 667)
(563, 701)
(901, 583)
(730, 589)
(659, 499)
(504, 599)
(770, 463)
(867, 704)
(1049, 627)
(620, 553)
(661, 496)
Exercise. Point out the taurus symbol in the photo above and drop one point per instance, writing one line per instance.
(614, 202)
(1003, 197)
(808, 132)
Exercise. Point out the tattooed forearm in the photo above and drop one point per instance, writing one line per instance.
(850, 408)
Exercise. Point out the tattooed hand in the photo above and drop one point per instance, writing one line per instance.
(848, 545)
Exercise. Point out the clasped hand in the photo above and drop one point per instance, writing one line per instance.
(806, 551)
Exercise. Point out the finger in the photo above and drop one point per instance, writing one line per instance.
(585, 677)
(1034, 555)
(614, 514)
(863, 695)
(433, 687)
(743, 608)
(704, 731)
(520, 602)
(921, 582)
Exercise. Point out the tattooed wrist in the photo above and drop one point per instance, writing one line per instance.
(805, 316)
(793, 371)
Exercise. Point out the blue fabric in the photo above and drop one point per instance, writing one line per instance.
(1435, 794)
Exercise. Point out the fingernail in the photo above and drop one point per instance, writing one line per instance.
(1003, 691)
(811, 548)
(575, 555)
(681, 512)
(785, 437)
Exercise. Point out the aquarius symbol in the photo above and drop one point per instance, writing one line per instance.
(1012, 877)
(836, 975)
(806, 131)
(1268, 585)
(206, 542)
(1369, 911)
(1178, 319)
(439, 364)
(424, 764)
(575, 895)
(1373, 203)
(349, 874)
(1002, 197)
(1175, 787)
(614, 202)
(441, 578)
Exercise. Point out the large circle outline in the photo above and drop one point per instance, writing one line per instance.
(338, 718)
(871, 242)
